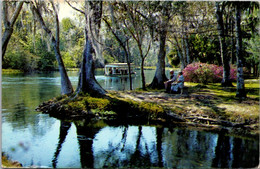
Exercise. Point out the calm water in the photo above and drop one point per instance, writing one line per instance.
(39, 140)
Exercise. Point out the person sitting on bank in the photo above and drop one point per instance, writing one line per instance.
(179, 84)
(168, 83)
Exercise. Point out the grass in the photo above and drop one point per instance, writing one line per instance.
(222, 101)
(11, 71)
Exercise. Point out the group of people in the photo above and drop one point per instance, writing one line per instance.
(117, 71)
(175, 83)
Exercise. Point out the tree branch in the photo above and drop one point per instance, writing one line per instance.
(75, 8)
(118, 39)
(57, 24)
(148, 49)
(16, 13)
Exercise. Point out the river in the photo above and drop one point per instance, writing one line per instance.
(35, 139)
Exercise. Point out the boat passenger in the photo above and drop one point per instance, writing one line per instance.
(110, 71)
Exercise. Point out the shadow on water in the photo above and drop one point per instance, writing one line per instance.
(146, 146)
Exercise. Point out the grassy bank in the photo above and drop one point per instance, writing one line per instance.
(210, 105)
(108, 107)
(11, 71)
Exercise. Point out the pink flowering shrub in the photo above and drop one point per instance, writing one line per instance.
(206, 73)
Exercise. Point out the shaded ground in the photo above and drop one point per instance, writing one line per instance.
(210, 105)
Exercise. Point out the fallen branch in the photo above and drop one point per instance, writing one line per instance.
(218, 122)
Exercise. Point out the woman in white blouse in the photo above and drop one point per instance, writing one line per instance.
(179, 84)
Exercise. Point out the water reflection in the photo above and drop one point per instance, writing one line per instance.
(86, 134)
(144, 146)
(64, 127)
(21, 94)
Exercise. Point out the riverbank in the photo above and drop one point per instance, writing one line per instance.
(211, 107)
(7, 163)
(17, 71)
(12, 71)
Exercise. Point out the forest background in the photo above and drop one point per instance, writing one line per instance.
(192, 32)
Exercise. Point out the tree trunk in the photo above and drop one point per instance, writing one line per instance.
(179, 54)
(142, 74)
(8, 25)
(142, 62)
(87, 81)
(66, 87)
(34, 34)
(95, 8)
(241, 93)
(187, 48)
(160, 77)
(128, 54)
(183, 52)
(223, 48)
(233, 57)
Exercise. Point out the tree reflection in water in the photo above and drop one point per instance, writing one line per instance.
(64, 127)
(146, 146)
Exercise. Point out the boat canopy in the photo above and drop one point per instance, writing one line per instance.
(118, 65)
(117, 69)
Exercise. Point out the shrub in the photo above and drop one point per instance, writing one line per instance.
(206, 73)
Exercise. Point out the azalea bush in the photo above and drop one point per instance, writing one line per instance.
(206, 73)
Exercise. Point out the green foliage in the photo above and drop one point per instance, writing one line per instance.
(26, 56)
(20, 58)
(47, 61)
(173, 58)
(67, 24)
(31, 49)
(113, 49)
(253, 48)
(68, 60)
(204, 48)
(108, 58)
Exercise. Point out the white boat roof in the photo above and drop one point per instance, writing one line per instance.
(117, 65)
